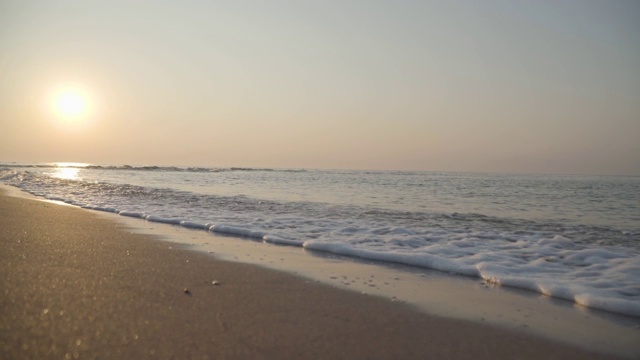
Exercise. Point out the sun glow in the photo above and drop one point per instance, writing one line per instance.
(71, 103)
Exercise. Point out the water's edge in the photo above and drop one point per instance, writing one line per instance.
(428, 291)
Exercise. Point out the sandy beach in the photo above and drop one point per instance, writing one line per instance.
(76, 285)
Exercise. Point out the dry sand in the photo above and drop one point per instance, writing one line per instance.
(75, 285)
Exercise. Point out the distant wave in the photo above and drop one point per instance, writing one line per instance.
(148, 168)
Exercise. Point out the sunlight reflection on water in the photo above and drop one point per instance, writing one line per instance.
(67, 173)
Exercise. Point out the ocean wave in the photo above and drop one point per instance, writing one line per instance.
(150, 168)
(593, 266)
(604, 279)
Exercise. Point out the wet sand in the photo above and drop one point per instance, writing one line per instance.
(76, 285)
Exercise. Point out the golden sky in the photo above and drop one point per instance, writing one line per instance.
(497, 86)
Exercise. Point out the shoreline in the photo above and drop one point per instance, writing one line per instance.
(428, 291)
(82, 283)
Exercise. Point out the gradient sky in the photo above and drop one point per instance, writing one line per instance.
(497, 86)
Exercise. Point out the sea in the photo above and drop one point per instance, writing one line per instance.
(572, 237)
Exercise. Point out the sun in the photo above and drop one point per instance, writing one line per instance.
(72, 107)
(71, 104)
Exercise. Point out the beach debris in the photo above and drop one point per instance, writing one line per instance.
(215, 283)
(186, 291)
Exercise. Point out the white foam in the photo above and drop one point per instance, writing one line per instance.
(6, 175)
(100, 208)
(162, 220)
(422, 260)
(238, 231)
(610, 304)
(133, 214)
(272, 239)
(195, 225)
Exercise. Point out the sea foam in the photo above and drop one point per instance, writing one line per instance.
(591, 265)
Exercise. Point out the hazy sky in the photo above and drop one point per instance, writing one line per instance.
(507, 86)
